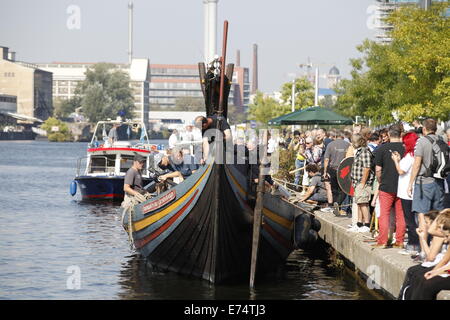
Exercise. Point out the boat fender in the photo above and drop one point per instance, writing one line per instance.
(315, 224)
(302, 227)
(73, 188)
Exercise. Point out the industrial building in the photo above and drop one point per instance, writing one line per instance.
(173, 81)
(8, 103)
(385, 7)
(31, 85)
(66, 77)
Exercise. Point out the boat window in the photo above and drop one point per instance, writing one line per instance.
(126, 162)
(102, 164)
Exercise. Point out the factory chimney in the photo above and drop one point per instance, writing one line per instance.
(210, 32)
(238, 58)
(130, 32)
(255, 69)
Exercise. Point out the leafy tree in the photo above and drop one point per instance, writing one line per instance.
(286, 164)
(235, 115)
(61, 134)
(264, 108)
(105, 91)
(63, 108)
(304, 94)
(409, 77)
(327, 102)
(189, 104)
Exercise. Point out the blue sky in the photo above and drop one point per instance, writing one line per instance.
(171, 32)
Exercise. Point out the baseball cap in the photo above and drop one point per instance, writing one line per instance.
(139, 158)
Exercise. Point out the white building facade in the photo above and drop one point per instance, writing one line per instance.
(66, 77)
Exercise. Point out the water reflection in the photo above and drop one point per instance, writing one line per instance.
(306, 277)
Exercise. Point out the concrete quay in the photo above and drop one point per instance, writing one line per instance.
(383, 269)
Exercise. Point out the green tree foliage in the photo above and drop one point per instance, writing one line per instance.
(57, 131)
(189, 104)
(63, 108)
(264, 108)
(409, 77)
(105, 91)
(327, 102)
(304, 95)
(235, 115)
(286, 164)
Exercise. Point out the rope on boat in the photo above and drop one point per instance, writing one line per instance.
(295, 193)
(285, 183)
(130, 223)
(130, 209)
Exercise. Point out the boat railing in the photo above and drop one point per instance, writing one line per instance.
(79, 162)
(190, 145)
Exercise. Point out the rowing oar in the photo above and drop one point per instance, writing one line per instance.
(257, 216)
(294, 171)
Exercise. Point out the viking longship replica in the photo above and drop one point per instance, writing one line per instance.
(203, 227)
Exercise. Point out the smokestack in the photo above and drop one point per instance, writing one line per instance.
(130, 32)
(206, 31)
(255, 69)
(238, 58)
(212, 28)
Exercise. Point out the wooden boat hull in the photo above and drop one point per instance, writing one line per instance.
(203, 227)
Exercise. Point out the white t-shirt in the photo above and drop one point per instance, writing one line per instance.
(271, 145)
(173, 139)
(403, 180)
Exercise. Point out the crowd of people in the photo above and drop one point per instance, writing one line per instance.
(186, 135)
(398, 176)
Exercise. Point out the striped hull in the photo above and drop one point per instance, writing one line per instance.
(101, 188)
(205, 231)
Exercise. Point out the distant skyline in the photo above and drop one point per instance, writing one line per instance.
(171, 32)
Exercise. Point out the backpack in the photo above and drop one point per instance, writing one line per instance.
(440, 161)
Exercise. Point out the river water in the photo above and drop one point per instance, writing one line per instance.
(49, 239)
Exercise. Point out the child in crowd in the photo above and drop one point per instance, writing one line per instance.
(424, 281)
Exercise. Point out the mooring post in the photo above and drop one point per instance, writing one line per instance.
(257, 216)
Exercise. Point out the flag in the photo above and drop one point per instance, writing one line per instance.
(142, 135)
